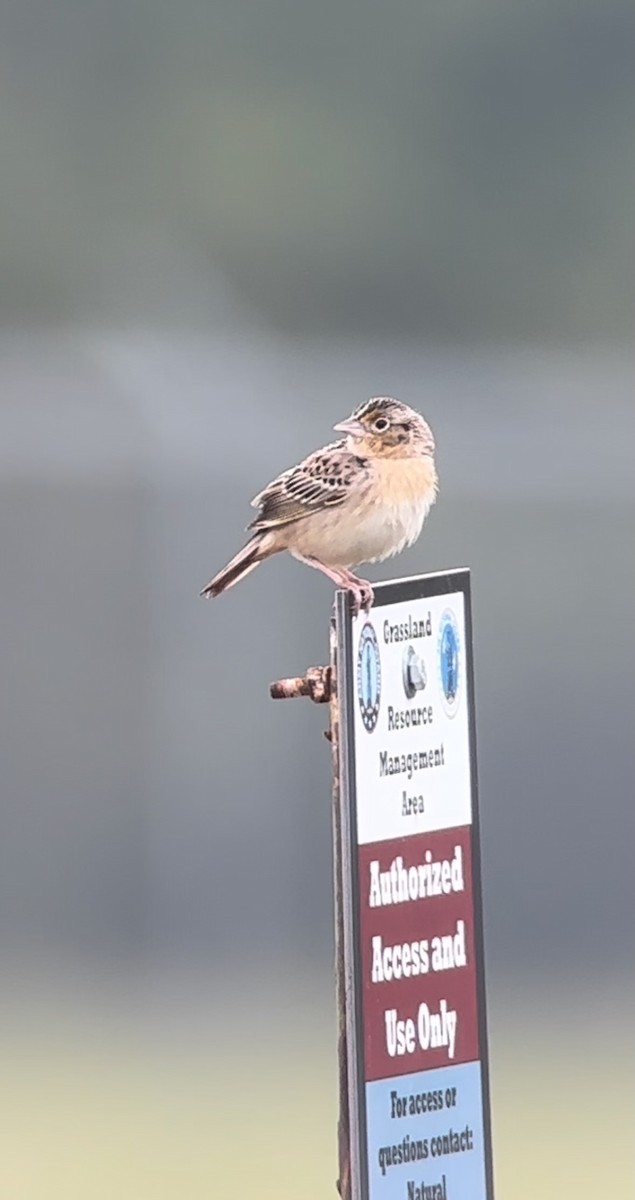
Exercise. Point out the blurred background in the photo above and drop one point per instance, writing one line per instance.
(223, 226)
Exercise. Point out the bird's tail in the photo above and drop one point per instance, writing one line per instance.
(240, 565)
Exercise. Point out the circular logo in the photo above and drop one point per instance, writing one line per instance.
(368, 676)
(450, 662)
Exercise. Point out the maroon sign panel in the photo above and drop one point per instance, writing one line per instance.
(417, 952)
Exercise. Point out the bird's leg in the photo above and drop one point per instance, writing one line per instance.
(337, 575)
(361, 591)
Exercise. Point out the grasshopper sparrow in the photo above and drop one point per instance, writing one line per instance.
(361, 499)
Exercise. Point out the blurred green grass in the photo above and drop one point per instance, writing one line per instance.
(96, 1112)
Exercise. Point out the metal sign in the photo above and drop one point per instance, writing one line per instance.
(415, 998)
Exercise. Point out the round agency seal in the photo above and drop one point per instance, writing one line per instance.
(368, 676)
(449, 647)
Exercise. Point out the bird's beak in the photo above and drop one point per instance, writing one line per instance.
(352, 427)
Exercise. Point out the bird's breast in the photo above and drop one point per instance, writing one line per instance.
(400, 496)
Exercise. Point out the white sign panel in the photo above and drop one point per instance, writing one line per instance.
(412, 750)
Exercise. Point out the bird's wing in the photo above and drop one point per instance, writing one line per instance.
(323, 480)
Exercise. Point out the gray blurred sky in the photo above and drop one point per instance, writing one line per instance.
(445, 171)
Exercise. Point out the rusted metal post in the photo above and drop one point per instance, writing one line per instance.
(343, 1126)
(320, 684)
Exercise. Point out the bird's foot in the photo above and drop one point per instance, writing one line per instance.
(362, 594)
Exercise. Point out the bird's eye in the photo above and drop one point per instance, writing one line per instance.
(381, 425)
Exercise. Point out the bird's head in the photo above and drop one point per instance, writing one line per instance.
(386, 428)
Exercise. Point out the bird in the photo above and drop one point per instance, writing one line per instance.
(359, 500)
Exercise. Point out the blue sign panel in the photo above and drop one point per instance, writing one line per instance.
(425, 1135)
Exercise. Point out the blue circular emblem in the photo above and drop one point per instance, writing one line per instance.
(368, 677)
(449, 662)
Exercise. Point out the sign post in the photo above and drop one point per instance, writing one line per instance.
(417, 1102)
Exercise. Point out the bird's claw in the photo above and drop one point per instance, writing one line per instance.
(362, 596)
